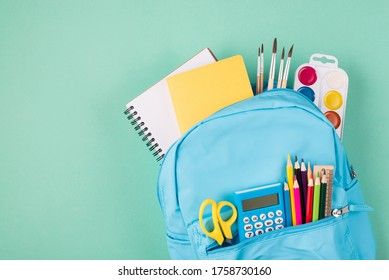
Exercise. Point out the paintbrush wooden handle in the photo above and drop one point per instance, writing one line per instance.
(270, 84)
(258, 87)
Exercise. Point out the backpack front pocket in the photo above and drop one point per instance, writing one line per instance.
(325, 239)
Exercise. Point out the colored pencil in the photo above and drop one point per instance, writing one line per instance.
(287, 210)
(297, 201)
(258, 87)
(309, 171)
(270, 83)
(309, 204)
(281, 70)
(297, 172)
(286, 71)
(304, 180)
(316, 199)
(289, 176)
(323, 194)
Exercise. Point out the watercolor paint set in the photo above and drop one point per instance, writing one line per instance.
(325, 84)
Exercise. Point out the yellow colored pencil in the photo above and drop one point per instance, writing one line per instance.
(289, 177)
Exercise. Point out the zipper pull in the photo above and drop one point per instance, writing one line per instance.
(351, 208)
(338, 212)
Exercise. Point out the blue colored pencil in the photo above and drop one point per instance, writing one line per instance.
(288, 211)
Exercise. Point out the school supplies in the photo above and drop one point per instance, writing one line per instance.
(198, 93)
(323, 191)
(297, 201)
(287, 66)
(262, 70)
(221, 228)
(325, 84)
(260, 209)
(304, 185)
(281, 69)
(289, 176)
(258, 85)
(309, 171)
(272, 70)
(152, 114)
(329, 172)
(309, 204)
(316, 198)
(244, 145)
(288, 212)
(297, 173)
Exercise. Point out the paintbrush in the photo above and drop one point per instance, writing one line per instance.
(258, 88)
(262, 70)
(270, 83)
(286, 72)
(281, 71)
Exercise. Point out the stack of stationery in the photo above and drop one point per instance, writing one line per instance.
(194, 91)
(152, 113)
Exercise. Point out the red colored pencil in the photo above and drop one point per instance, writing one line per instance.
(309, 205)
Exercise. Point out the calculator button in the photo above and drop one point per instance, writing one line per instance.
(278, 220)
(254, 218)
(248, 227)
(258, 225)
(279, 213)
(279, 227)
(249, 234)
(270, 214)
(246, 220)
(268, 223)
(269, 229)
(259, 231)
(262, 216)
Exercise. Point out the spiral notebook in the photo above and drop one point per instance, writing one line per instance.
(152, 113)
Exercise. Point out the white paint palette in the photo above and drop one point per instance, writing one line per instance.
(325, 84)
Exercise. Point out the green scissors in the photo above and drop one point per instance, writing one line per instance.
(221, 228)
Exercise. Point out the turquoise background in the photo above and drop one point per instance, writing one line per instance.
(76, 182)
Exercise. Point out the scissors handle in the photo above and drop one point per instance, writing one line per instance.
(216, 233)
(226, 224)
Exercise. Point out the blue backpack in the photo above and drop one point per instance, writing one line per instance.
(245, 145)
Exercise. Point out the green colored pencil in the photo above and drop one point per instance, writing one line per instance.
(316, 198)
(323, 193)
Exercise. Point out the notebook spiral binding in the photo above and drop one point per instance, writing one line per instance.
(142, 129)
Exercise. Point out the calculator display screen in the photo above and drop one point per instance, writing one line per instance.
(260, 202)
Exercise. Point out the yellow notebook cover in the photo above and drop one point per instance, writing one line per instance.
(198, 93)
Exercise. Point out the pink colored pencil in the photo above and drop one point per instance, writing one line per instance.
(297, 201)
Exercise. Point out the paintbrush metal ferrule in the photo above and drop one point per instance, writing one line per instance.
(270, 83)
(258, 86)
(261, 78)
(262, 60)
(287, 66)
(281, 70)
(259, 62)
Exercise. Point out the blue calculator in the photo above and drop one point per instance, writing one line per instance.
(260, 210)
